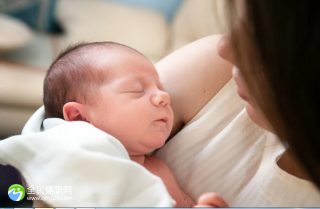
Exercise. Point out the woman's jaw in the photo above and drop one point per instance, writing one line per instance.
(251, 106)
(226, 51)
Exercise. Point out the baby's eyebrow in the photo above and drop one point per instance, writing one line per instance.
(131, 79)
(140, 79)
(137, 78)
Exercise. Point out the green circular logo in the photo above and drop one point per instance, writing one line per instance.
(16, 192)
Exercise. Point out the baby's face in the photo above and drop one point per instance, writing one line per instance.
(134, 106)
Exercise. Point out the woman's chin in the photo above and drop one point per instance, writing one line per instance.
(256, 117)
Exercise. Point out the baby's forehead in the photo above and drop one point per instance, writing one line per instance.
(119, 63)
(105, 56)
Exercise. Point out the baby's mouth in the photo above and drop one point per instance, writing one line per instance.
(164, 120)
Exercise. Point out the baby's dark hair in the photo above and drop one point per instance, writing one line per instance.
(74, 77)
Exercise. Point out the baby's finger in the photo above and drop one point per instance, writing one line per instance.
(212, 199)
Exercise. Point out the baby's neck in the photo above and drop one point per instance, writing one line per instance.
(138, 159)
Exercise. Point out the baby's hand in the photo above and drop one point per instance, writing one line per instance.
(211, 200)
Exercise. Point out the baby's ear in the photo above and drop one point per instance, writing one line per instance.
(74, 111)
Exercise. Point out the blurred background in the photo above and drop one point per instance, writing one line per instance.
(33, 32)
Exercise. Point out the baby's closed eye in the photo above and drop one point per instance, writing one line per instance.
(136, 92)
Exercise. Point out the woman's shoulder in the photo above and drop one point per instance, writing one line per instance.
(193, 75)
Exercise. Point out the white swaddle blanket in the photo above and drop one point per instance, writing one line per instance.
(94, 164)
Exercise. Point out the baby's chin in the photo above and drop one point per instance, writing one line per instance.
(156, 146)
(153, 145)
(144, 151)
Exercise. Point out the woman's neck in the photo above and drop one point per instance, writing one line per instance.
(289, 164)
(138, 159)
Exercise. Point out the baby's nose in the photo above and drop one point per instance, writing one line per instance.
(161, 98)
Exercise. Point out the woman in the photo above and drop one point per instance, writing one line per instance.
(273, 49)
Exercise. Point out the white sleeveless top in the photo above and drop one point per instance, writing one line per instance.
(222, 150)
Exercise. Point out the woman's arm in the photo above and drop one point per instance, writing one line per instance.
(192, 75)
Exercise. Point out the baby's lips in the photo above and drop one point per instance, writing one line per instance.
(165, 119)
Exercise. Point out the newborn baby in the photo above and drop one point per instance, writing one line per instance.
(116, 89)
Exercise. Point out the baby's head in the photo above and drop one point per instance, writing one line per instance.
(113, 87)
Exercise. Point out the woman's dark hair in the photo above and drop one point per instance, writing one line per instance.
(278, 42)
